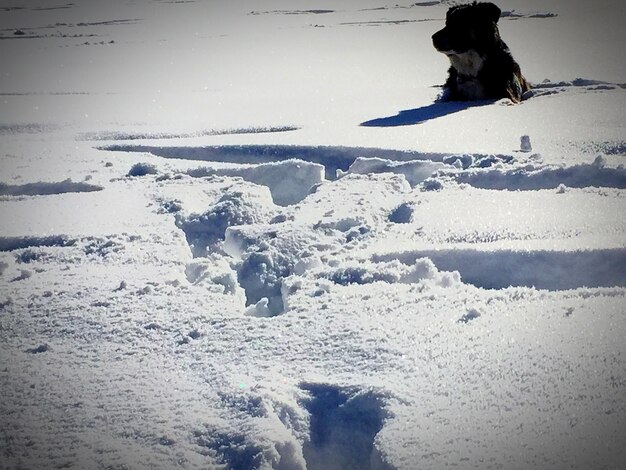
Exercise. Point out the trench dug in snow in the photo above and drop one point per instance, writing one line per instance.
(289, 181)
(44, 188)
(542, 269)
(331, 158)
(290, 174)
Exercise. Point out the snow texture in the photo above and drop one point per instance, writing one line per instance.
(243, 237)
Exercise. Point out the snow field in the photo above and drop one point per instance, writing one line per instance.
(246, 238)
(307, 263)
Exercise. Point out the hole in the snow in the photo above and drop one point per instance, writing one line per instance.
(233, 450)
(402, 214)
(344, 423)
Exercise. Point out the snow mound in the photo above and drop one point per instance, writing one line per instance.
(364, 198)
(460, 161)
(214, 273)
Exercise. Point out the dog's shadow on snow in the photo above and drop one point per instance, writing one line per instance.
(436, 110)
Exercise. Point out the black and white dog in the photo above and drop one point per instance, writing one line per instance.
(482, 66)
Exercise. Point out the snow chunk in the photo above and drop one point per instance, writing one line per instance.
(260, 309)
(142, 169)
(599, 162)
(289, 181)
(215, 274)
(42, 348)
(240, 205)
(261, 276)
(290, 241)
(354, 228)
(460, 161)
(431, 184)
(268, 255)
(24, 274)
(307, 262)
(415, 171)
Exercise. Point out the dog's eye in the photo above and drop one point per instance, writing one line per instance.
(458, 26)
(460, 31)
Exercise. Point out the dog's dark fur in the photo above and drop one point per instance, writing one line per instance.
(482, 66)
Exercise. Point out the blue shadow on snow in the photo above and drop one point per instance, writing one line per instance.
(435, 110)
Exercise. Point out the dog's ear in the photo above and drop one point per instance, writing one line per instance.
(490, 11)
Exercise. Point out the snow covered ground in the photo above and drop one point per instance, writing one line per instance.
(242, 235)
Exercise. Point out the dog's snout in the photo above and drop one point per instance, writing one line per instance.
(439, 40)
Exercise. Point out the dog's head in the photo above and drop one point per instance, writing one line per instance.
(471, 27)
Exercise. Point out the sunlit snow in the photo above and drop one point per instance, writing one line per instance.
(243, 235)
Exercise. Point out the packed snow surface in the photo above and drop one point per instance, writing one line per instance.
(247, 236)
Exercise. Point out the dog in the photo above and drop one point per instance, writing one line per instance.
(482, 67)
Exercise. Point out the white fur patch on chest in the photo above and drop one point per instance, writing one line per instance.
(467, 63)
